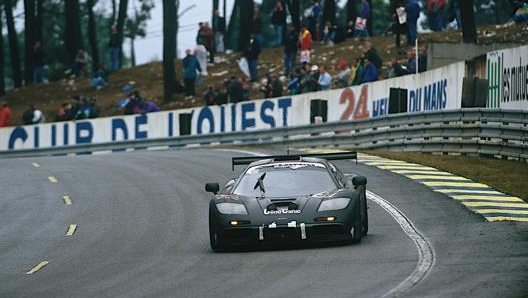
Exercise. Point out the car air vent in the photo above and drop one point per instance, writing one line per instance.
(287, 157)
(282, 205)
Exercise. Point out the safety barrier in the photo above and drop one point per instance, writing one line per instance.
(494, 132)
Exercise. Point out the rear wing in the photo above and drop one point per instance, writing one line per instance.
(245, 160)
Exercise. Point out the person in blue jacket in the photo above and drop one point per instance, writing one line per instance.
(412, 8)
(191, 69)
(370, 73)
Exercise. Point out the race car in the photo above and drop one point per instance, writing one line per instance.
(286, 199)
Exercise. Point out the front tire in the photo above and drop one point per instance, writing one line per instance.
(357, 233)
(215, 240)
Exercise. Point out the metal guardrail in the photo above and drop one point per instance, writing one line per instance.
(493, 132)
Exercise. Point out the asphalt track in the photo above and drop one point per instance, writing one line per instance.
(135, 225)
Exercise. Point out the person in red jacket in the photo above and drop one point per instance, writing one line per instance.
(435, 9)
(5, 115)
(305, 44)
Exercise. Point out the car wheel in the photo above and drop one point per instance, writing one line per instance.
(365, 220)
(357, 233)
(214, 238)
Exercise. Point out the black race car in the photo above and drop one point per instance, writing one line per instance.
(288, 199)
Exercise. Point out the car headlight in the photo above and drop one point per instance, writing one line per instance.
(231, 208)
(333, 204)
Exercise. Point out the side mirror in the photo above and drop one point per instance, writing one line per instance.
(359, 181)
(212, 187)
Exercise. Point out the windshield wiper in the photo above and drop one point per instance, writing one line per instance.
(260, 185)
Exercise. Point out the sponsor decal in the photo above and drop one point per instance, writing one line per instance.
(281, 212)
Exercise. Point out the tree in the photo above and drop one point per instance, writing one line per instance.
(13, 44)
(352, 12)
(92, 34)
(329, 12)
(2, 62)
(170, 31)
(247, 8)
(294, 7)
(121, 17)
(29, 34)
(72, 30)
(137, 26)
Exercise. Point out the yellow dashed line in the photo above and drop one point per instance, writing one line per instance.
(53, 179)
(408, 167)
(492, 204)
(444, 178)
(492, 198)
(37, 267)
(455, 184)
(484, 211)
(67, 200)
(418, 172)
(468, 191)
(507, 218)
(71, 230)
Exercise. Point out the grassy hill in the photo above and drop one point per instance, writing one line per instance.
(149, 78)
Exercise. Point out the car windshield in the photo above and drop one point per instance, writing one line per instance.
(285, 180)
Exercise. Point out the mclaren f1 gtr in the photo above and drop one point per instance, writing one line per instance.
(288, 199)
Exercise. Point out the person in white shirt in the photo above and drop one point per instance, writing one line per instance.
(325, 79)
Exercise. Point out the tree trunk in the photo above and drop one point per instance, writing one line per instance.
(294, 6)
(2, 62)
(230, 32)
(351, 9)
(246, 15)
(329, 12)
(29, 34)
(92, 35)
(132, 52)
(13, 44)
(39, 21)
(369, 23)
(170, 31)
(121, 18)
(72, 34)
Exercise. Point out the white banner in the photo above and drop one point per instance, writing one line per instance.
(438, 89)
(507, 74)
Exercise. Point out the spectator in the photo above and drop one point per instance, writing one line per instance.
(134, 104)
(290, 50)
(454, 6)
(356, 72)
(113, 47)
(305, 45)
(364, 14)
(265, 88)
(190, 69)
(5, 115)
(520, 15)
(148, 106)
(422, 59)
(33, 116)
(371, 72)
(64, 113)
(38, 63)
(252, 53)
(100, 77)
(256, 25)
(412, 8)
(372, 54)
(329, 33)
(235, 91)
(209, 96)
(278, 19)
(313, 19)
(411, 61)
(343, 77)
(95, 111)
(325, 79)
(219, 27)
(309, 82)
(435, 10)
(82, 59)
(246, 87)
(294, 83)
(200, 52)
(399, 18)
(206, 38)
(276, 86)
(396, 69)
